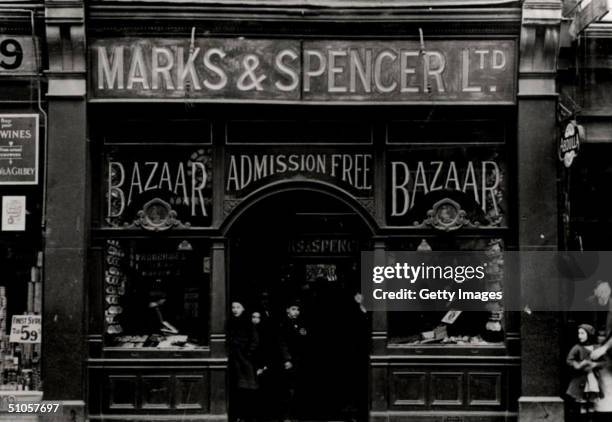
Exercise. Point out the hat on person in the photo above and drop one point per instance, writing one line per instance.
(588, 328)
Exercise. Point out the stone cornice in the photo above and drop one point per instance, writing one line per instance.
(70, 13)
(539, 47)
(169, 12)
(542, 12)
(599, 30)
(65, 29)
(329, 4)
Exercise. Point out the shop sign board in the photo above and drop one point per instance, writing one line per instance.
(249, 169)
(446, 188)
(18, 54)
(156, 188)
(13, 213)
(396, 71)
(26, 328)
(569, 144)
(19, 149)
(323, 246)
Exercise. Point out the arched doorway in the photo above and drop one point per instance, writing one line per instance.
(303, 246)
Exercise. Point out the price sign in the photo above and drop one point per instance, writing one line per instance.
(26, 329)
(17, 55)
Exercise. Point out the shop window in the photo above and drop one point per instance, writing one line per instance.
(481, 325)
(156, 293)
(20, 319)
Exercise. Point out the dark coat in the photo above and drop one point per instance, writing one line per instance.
(266, 355)
(577, 354)
(242, 343)
(293, 345)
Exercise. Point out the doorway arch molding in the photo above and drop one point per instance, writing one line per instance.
(284, 186)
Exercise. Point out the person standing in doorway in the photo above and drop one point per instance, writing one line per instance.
(266, 362)
(242, 344)
(293, 337)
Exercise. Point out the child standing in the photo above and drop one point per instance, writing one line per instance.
(293, 337)
(584, 386)
(242, 344)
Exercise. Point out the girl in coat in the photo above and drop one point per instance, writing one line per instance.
(584, 387)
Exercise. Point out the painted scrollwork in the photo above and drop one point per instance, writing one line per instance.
(446, 215)
(157, 215)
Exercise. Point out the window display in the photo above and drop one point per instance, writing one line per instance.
(20, 319)
(156, 294)
(481, 325)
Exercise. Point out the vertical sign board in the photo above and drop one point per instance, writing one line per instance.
(18, 149)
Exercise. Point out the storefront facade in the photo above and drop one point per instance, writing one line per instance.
(22, 129)
(583, 81)
(223, 152)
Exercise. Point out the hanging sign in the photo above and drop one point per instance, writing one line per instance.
(569, 144)
(453, 71)
(26, 329)
(18, 149)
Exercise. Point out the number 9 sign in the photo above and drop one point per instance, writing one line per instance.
(17, 55)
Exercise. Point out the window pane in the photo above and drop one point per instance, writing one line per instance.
(20, 313)
(156, 293)
(480, 326)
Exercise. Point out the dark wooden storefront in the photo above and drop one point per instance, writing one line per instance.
(405, 380)
(245, 253)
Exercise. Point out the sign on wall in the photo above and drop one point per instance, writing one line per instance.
(18, 55)
(157, 188)
(13, 213)
(446, 187)
(18, 149)
(323, 246)
(454, 71)
(250, 169)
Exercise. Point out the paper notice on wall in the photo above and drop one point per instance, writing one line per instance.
(13, 213)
